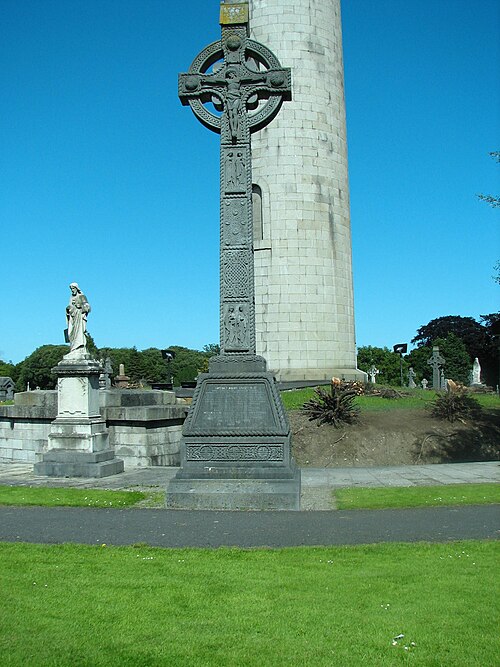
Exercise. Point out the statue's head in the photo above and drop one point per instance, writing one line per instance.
(74, 288)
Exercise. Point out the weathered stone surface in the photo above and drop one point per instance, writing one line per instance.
(236, 428)
(304, 305)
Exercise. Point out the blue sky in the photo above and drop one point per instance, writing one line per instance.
(105, 179)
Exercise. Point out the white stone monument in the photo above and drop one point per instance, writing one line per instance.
(78, 444)
(302, 236)
(373, 372)
(476, 372)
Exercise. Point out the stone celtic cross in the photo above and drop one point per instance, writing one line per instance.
(436, 361)
(246, 86)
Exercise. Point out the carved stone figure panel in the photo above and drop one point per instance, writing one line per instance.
(234, 168)
(236, 327)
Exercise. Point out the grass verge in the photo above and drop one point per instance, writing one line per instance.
(68, 497)
(418, 399)
(391, 604)
(417, 496)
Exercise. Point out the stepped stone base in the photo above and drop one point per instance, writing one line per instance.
(71, 463)
(234, 494)
(236, 444)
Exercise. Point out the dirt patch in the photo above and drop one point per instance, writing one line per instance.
(394, 437)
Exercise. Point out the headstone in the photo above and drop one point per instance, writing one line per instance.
(236, 445)
(373, 372)
(105, 376)
(122, 380)
(411, 378)
(7, 387)
(436, 361)
(444, 384)
(476, 372)
(424, 383)
(78, 440)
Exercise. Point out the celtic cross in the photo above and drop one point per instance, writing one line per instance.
(246, 86)
(437, 362)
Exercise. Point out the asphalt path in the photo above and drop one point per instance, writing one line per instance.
(187, 528)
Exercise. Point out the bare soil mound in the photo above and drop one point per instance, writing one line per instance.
(394, 437)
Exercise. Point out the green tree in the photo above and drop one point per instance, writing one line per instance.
(36, 369)
(387, 362)
(458, 366)
(7, 369)
(452, 348)
(477, 338)
(187, 364)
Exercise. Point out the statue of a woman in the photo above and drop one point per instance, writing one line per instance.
(76, 314)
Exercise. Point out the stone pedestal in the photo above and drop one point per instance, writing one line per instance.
(78, 440)
(236, 446)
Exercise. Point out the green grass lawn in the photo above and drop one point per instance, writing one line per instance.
(81, 605)
(417, 496)
(68, 497)
(418, 399)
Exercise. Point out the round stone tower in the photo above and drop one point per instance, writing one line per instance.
(302, 237)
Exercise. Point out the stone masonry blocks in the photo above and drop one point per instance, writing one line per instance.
(300, 163)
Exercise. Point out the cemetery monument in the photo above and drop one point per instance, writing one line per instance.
(78, 442)
(236, 444)
(436, 361)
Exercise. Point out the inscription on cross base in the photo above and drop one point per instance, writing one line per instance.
(246, 85)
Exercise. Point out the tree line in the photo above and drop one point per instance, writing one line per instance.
(460, 341)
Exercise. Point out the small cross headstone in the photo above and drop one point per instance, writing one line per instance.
(373, 372)
(424, 383)
(437, 362)
(411, 378)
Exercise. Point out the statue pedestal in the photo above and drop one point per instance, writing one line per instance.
(236, 445)
(78, 441)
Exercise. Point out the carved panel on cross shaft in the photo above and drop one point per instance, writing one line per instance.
(235, 274)
(235, 221)
(235, 170)
(236, 329)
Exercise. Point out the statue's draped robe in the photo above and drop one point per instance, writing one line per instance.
(77, 310)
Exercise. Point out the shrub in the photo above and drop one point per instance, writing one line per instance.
(455, 405)
(334, 406)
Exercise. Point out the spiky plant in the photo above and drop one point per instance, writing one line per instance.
(455, 405)
(335, 406)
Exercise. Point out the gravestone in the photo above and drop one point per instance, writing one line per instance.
(78, 442)
(7, 387)
(373, 372)
(411, 378)
(236, 444)
(424, 383)
(107, 372)
(436, 362)
(122, 380)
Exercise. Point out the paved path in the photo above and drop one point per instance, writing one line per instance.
(317, 483)
(181, 528)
